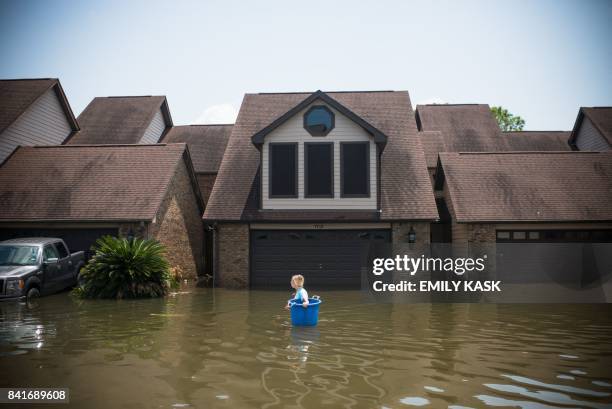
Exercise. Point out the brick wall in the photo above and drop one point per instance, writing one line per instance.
(481, 242)
(232, 249)
(481, 233)
(179, 227)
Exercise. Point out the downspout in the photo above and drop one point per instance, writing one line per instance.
(213, 228)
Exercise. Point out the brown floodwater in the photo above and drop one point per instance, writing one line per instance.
(204, 348)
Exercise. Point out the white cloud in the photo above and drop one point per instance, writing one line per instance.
(218, 114)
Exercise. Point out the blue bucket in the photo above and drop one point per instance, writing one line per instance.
(308, 316)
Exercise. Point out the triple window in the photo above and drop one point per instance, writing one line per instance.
(319, 170)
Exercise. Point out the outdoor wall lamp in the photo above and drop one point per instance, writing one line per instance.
(411, 235)
(130, 235)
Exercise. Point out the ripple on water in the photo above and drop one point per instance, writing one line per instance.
(568, 377)
(602, 383)
(563, 388)
(414, 401)
(544, 396)
(496, 401)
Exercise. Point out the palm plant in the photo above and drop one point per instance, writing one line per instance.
(122, 268)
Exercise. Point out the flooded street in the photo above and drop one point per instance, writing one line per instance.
(203, 348)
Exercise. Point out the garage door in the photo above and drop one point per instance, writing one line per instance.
(572, 257)
(76, 239)
(329, 259)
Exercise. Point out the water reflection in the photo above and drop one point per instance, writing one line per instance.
(203, 348)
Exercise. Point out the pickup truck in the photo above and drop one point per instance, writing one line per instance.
(31, 267)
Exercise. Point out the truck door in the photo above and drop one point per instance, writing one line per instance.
(51, 266)
(66, 274)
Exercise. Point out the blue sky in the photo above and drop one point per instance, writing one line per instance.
(540, 59)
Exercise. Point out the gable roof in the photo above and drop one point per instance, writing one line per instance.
(472, 128)
(466, 127)
(206, 144)
(405, 190)
(88, 183)
(17, 95)
(600, 117)
(528, 186)
(119, 120)
(379, 137)
(460, 128)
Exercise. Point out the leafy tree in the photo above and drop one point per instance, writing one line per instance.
(122, 268)
(507, 121)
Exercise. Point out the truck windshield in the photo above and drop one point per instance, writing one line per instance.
(13, 255)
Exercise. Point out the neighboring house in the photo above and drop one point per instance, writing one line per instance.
(206, 144)
(593, 129)
(123, 120)
(80, 193)
(33, 112)
(539, 217)
(310, 180)
(520, 196)
(472, 128)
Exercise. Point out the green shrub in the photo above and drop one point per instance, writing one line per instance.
(122, 268)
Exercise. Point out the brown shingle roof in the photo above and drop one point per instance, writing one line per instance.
(472, 128)
(118, 120)
(87, 183)
(206, 144)
(433, 143)
(460, 128)
(538, 140)
(529, 187)
(465, 127)
(16, 96)
(601, 117)
(405, 189)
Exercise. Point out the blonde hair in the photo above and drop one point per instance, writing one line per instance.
(298, 279)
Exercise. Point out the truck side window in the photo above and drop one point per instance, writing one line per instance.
(49, 252)
(61, 248)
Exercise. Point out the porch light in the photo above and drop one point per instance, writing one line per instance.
(411, 235)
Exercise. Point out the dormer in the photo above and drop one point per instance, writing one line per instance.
(320, 155)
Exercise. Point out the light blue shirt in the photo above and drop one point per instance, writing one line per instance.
(301, 294)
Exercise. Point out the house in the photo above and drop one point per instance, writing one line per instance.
(471, 128)
(123, 120)
(310, 180)
(80, 193)
(539, 216)
(592, 129)
(33, 112)
(526, 197)
(207, 144)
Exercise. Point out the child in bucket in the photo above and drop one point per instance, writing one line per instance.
(297, 282)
